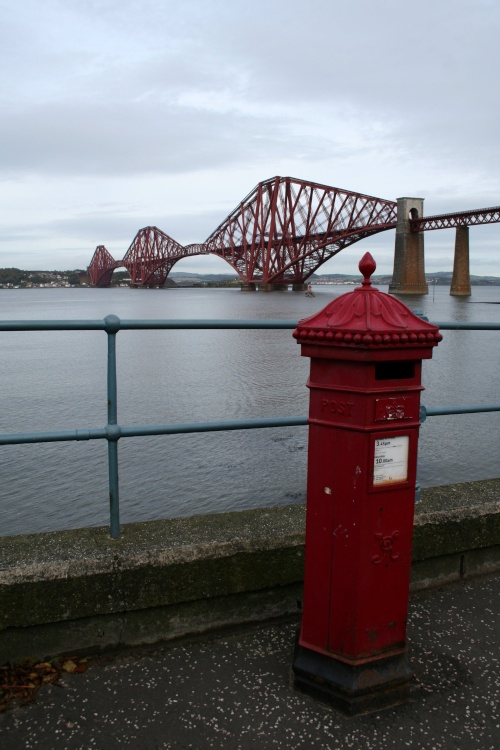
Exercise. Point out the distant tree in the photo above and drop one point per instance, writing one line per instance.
(12, 276)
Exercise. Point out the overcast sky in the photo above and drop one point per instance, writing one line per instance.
(119, 114)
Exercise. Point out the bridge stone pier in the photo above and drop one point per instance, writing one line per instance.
(409, 272)
(273, 287)
(460, 282)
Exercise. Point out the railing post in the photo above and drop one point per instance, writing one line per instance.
(112, 326)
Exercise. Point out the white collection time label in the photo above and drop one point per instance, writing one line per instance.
(390, 463)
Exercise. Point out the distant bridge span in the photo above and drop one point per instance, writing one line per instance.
(460, 219)
(286, 228)
(148, 260)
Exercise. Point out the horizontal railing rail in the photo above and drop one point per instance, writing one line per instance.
(113, 324)
(113, 432)
(176, 428)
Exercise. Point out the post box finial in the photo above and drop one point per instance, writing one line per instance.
(367, 266)
(367, 319)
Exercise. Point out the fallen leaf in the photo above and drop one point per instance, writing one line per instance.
(20, 683)
(69, 666)
(50, 677)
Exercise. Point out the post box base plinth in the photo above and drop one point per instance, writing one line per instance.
(352, 688)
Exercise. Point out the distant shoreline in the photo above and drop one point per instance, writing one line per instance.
(14, 278)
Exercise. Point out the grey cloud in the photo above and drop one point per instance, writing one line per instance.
(128, 139)
(429, 83)
(113, 229)
(380, 91)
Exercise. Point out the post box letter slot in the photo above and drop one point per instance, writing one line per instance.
(394, 370)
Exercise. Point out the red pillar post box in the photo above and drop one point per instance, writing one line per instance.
(366, 351)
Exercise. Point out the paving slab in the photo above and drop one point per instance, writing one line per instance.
(233, 690)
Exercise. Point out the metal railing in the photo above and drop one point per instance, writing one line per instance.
(113, 431)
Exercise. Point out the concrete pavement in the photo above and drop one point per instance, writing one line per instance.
(233, 690)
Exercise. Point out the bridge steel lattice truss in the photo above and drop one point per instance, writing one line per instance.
(462, 219)
(279, 234)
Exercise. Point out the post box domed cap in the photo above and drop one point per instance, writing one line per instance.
(367, 318)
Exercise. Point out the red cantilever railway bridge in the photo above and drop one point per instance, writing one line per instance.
(282, 232)
(279, 234)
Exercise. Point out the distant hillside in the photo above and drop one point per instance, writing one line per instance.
(444, 277)
(208, 278)
(344, 278)
(203, 279)
(439, 278)
(182, 278)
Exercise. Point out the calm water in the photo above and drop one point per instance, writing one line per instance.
(57, 380)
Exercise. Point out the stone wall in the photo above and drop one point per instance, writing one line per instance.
(80, 590)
